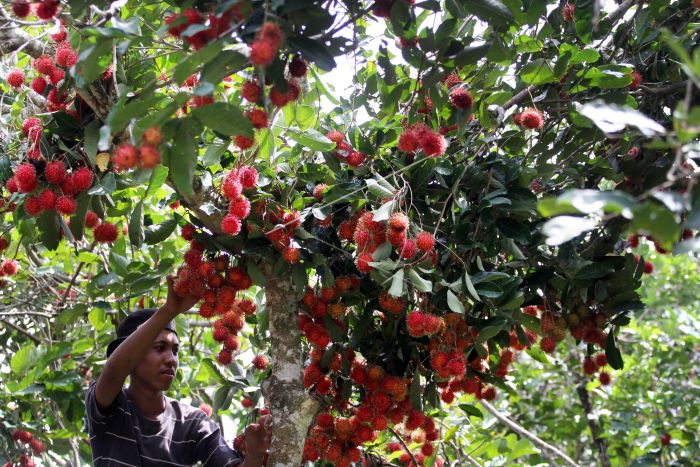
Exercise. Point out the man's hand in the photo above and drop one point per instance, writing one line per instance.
(257, 441)
(174, 304)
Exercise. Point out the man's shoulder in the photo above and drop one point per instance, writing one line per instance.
(185, 412)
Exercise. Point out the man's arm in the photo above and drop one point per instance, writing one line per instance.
(125, 357)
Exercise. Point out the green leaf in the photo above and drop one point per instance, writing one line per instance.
(225, 64)
(470, 287)
(538, 72)
(300, 279)
(658, 221)
(612, 353)
(396, 289)
(470, 55)
(561, 229)
(93, 60)
(415, 391)
(311, 139)
(471, 410)
(49, 226)
(158, 177)
(77, 220)
(454, 303)
(613, 118)
(488, 332)
(222, 398)
(492, 11)
(377, 189)
(24, 359)
(422, 285)
(255, 274)
(312, 50)
(191, 62)
(159, 232)
(92, 135)
(212, 155)
(183, 156)
(104, 186)
(224, 118)
(136, 233)
(586, 202)
(98, 319)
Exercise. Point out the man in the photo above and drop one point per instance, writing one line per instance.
(139, 425)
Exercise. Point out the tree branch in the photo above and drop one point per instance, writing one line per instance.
(547, 449)
(12, 38)
(599, 442)
(21, 331)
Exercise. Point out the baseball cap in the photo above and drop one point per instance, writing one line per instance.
(131, 323)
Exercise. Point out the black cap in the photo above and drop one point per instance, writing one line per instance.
(131, 323)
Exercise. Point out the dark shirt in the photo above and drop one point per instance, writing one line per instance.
(182, 436)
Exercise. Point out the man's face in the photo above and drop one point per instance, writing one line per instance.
(157, 368)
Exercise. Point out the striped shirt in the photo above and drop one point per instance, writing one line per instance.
(182, 436)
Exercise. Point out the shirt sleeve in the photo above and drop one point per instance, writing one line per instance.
(97, 416)
(212, 449)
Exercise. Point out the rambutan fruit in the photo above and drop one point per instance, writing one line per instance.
(149, 157)
(231, 224)
(125, 157)
(248, 177)
(398, 221)
(251, 91)
(568, 12)
(21, 8)
(433, 144)
(297, 67)
(260, 362)
(225, 358)
(604, 378)
(461, 99)
(38, 85)
(47, 198)
(83, 178)
(43, 64)
(32, 206)
(15, 78)
(106, 232)
(25, 177)
(362, 262)
(262, 52)
(240, 207)
(291, 255)
(425, 241)
(257, 117)
(636, 80)
(408, 249)
(532, 119)
(244, 142)
(547, 344)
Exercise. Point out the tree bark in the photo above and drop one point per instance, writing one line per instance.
(13, 38)
(598, 441)
(292, 409)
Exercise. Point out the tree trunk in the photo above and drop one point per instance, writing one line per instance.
(599, 442)
(292, 409)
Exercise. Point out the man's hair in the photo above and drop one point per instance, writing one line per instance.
(131, 323)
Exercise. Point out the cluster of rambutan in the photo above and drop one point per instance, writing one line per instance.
(328, 302)
(419, 137)
(49, 186)
(394, 305)
(267, 42)
(421, 324)
(285, 226)
(450, 363)
(235, 182)
(25, 438)
(368, 234)
(200, 35)
(553, 329)
(146, 156)
(216, 282)
(44, 10)
(239, 442)
(384, 402)
(592, 364)
(529, 118)
(344, 151)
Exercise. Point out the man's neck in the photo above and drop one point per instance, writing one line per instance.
(150, 402)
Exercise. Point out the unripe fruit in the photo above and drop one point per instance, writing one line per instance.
(152, 136)
(149, 157)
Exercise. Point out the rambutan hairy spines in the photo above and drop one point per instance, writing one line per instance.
(425, 241)
(532, 119)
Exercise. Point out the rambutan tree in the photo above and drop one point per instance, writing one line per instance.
(378, 255)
